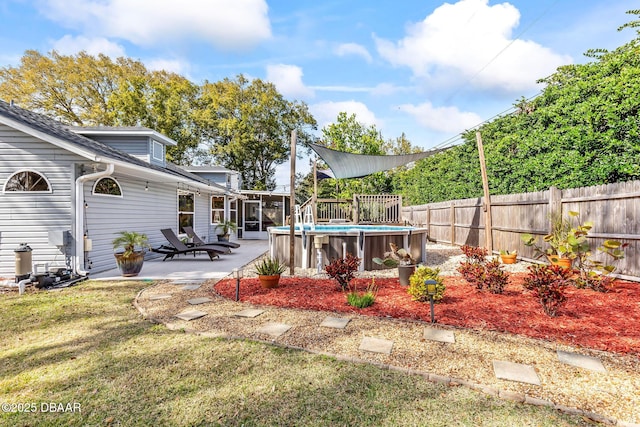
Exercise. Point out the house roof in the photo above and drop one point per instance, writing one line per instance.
(52, 131)
(127, 130)
(209, 168)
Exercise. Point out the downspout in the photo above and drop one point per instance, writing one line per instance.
(79, 256)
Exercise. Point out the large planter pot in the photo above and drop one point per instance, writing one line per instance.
(131, 265)
(565, 263)
(270, 281)
(404, 273)
(223, 237)
(508, 258)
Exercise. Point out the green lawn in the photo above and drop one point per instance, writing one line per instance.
(88, 347)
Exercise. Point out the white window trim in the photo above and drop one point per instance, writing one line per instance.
(222, 218)
(183, 192)
(4, 187)
(93, 190)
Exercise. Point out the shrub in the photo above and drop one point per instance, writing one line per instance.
(480, 272)
(595, 274)
(343, 269)
(474, 254)
(548, 282)
(418, 290)
(363, 299)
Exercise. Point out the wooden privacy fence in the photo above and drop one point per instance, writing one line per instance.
(614, 210)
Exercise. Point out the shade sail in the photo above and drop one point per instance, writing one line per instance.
(349, 165)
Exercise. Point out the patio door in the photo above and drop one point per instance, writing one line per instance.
(252, 212)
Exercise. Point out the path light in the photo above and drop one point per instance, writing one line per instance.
(431, 291)
(237, 273)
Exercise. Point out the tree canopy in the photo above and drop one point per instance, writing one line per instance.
(241, 125)
(583, 129)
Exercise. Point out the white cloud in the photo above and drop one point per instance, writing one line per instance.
(327, 112)
(226, 24)
(288, 80)
(170, 65)
(470, 41)
(346, 49)
(442, 119)
(70, 45)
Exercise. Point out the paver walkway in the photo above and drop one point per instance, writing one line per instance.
(274, 325)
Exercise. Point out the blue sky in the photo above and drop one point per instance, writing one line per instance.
(427, 68)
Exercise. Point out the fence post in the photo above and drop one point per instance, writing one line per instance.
(452, 217)
(555, 204)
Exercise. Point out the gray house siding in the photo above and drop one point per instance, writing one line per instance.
(137, 210)
(28, 217)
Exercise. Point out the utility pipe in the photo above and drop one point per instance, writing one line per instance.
(20, 285)
(78, 268)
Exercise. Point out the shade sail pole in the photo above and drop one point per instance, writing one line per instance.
(292, 207)
(488, 231)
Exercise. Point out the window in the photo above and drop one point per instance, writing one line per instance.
(27, 180)
(157, 151)
(217, 209)
(186, 210)
(107, 187)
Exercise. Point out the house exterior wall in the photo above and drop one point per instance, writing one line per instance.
(137, 210)
(28, 217)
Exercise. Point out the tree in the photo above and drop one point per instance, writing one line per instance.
(85, 90)
(247, 127)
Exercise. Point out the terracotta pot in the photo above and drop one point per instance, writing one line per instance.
(562, 262)
(509, 258)
(270, 281)
(131, 265)
(405, 272)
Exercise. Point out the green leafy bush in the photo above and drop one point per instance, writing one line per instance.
(363, 299)
(343, 269)
(548, 283)
(418, 290)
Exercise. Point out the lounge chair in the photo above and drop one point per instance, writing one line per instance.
(198, 241)
(177, 247)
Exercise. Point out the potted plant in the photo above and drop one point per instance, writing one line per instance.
(225, 228)
(130, 261)
(401, 258)
(269, 271)
(508, 257)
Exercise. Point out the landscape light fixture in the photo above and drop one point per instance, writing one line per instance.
(237, 273)
(431, 291)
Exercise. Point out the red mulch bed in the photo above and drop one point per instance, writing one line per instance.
(602, 321)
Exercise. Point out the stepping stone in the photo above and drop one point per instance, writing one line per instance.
(581, 361)
(249, 312)
(335, 322)
(376, 345)
(157, 297)
(196, 301)
(185, 282)
(515, 372)
(190, 315)
(439, 335)
(274, 329)
(190, 287)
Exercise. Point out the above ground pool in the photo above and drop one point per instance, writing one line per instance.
(335, 240)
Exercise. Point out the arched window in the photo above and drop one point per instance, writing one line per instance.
(27, 180)
(107, 187)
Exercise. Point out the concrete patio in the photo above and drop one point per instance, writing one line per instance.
(190, 268)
